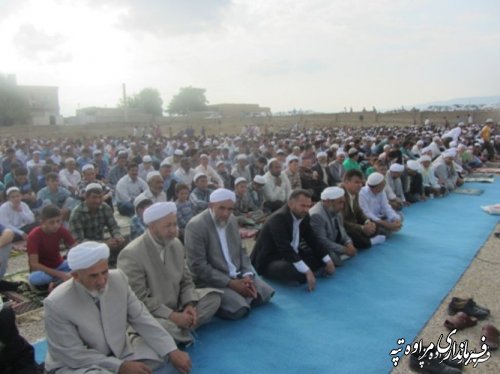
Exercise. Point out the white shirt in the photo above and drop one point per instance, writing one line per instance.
(211, 174)
(13, 219)
(186, 178)
(376, 206)
(127, 189)
(68, 179)
(276, 193)
(221, 231)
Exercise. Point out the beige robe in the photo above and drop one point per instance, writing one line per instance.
(165, 285)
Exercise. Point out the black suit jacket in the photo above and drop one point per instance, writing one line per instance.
(274, 241)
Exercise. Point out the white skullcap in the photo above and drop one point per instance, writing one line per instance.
(387, 146)
(353, 151)
(198, 175)
(139, 199)
(241, 157)
(424, 158)
(222, 194)
(489, 120)
(153, 174)
(219, 163)
(166, 162)
(97, 152)
(87, 254)
(412, 165)
(280, 151)
(321, 154)
(341, 153)
(158, 211)
(449, 153)
(271, 161)
(12, 189)
(203, 155)
(426, 150)
(87, 167)
(239, 180)
(147, 158)
(461, 124)
(178, 152)
(461, 147)
(453, 144)
(332, 193)
(259, 179)
(69, 159)
(37, 152)
(397, 168)
(436, 138)
(93, 186)
(334, 146)
(375, 179)
(420, 142)
(291, 158)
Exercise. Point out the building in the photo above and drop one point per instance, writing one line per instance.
(43, 103)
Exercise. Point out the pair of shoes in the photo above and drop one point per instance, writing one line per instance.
(432, 364)
(8, 286)
(468, 306)
(491, 334)
(460, 321)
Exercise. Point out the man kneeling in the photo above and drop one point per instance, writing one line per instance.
(157, 272)
(86, 320)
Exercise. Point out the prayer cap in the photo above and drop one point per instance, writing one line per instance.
(203, 155)
(166, 162)
(158, 211)
(198, 175)
(321, 154)
(424, 158)
(147, 158)
(37, 152)
(259, 179)
(239, 180)
(139, 199)
(97, 152)
(153, 174)
(353, 151)
(241, 157)
(93, 186)
(420, 142)
(332, 193)
(87, 167)
(280, 152)
(449, 153)
(340, 153)
(412, 165)
(292, 158)
(397, 168)
(489, 120)
(12, 189)
(219, 163)
(69, 159)
(271, 161)
(178, 152)
(123, 154)
(375, 179)
(453, 144)
(87, 254)
(222, 194)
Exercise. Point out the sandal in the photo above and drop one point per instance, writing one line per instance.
(491, 334)
(460, 321)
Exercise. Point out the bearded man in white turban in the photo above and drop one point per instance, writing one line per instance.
(87, 319)
(216, 257)
(157, 272)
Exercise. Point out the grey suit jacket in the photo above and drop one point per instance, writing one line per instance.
(324, 227)
(204, 252)
(82, 335)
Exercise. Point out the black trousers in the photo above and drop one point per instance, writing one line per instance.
(284, 271)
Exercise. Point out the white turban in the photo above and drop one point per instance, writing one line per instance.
(260, 179)
(424, 158)
(157, 211)
(12, 189)
(178, 152)
(139, 199)
(239, 180)
(412, 165)
(397, 168)
(222, 194)
(375, 179)
(291, 158)
(153, 174)
(166, 162)
(241, 157)
(321, 154)
(87, 167)
(332, 193)
(87, 254)
(147, 159)
(449, 153)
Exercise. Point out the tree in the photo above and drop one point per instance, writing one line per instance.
(148, 101)
(14, 108)
(189, 99)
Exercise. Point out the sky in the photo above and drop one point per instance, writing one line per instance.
(320, 55)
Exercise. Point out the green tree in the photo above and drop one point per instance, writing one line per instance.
(14, 108)
(148, 101)
(189, 99)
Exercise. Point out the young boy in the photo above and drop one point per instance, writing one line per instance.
(137, 226)
(185, 208)
(47, 267)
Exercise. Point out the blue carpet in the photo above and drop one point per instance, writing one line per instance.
(353, 320)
